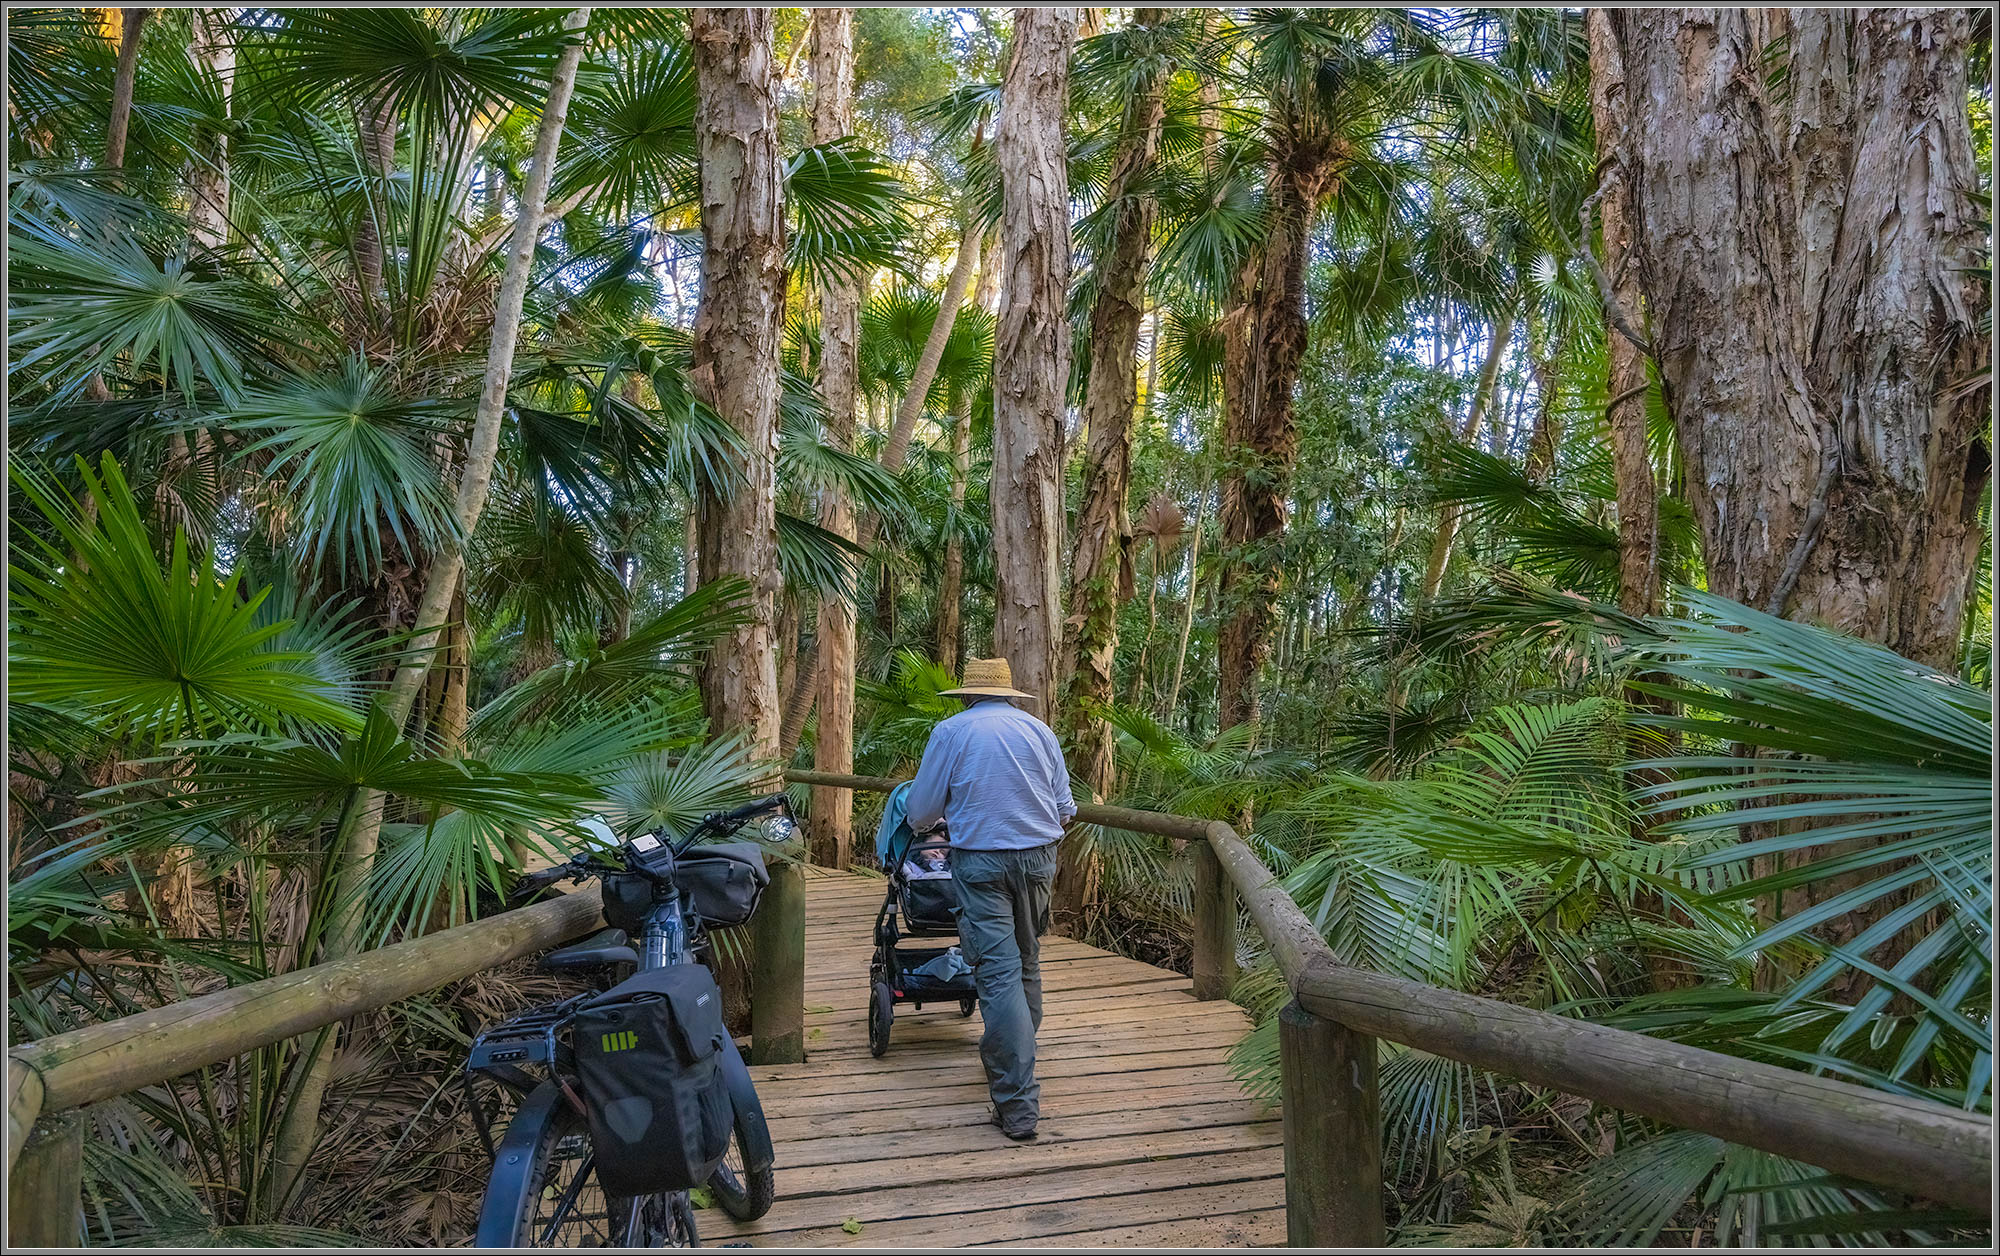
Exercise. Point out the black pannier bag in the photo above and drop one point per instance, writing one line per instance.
(931, 903)
(628, 897)
(723, 882)
(647, 1053)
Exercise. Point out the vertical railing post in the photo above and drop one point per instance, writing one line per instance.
(45, 1196)
(1333, 1133)
(1214, 924)
(778, 966)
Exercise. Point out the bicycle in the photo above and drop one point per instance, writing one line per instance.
(542, 1191)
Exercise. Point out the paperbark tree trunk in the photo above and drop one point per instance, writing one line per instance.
(1482, 401)
(1807, 251)
(831, 832)
(737, 334)
(1032, 351)
(208, 182)
(1807, 260)
(1101, 563)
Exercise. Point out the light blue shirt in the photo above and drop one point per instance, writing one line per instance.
(995, 775)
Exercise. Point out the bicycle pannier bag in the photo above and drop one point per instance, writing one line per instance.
(723, 882)
(648, 1055)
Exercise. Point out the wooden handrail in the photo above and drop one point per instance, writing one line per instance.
(1926, 1149)
(113, 1058)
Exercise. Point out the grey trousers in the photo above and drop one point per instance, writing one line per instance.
(1003, 898)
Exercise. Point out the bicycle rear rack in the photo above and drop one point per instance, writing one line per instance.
(530, 1038)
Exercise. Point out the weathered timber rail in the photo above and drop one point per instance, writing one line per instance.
(1331, 1110)
(1331, 1116)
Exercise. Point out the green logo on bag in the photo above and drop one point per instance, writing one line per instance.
(624, 1040)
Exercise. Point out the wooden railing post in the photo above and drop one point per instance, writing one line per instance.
(778, 968)
(1214, 925)
(1333, 1133)
(45, 1199)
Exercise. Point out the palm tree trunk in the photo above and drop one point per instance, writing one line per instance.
(362, 832)
(125, 78)
(1101, 562)
(737, 337)
(1482, 401)
(1032, 351)
(830, 834)
(1265, 341)
(1632, 466)
(925, 371)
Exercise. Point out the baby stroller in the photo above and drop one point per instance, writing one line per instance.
(921, 902)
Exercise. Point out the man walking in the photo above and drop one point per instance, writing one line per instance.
(995, 775)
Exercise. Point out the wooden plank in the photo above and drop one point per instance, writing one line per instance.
(1265, 1228)
(1057, 1125)
(1054, 1002)
(791, 1130)
(954, 1170)
(926, 1058)
(920, 1080)
(1256, 1170)
(1043, 1219)
(790, 1100)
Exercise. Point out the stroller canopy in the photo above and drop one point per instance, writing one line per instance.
(893, 836)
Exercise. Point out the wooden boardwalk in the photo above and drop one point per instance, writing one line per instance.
(1146, 1140)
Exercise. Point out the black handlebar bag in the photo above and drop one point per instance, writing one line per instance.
(723, 882)
(647, 1055)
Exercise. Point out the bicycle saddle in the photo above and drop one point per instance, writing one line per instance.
(599, 950)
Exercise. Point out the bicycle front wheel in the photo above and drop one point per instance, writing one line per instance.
(544, 1191)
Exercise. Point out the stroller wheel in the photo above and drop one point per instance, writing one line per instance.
(881, 1013)
(967, 1005)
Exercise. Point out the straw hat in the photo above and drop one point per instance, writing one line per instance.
(987, 678)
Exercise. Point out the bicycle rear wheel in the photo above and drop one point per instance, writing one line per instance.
(544, 1191)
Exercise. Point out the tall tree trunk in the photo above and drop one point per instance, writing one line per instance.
(1101, 562)
(1482, 401)
(951, 588)
(208, 182)
(1808, 262)
(737, 339)
(924, 373)
(375, 123)
(1187, 612)
(361, 831)
(1264, 341)
(125, 78)
(831, 834)
(1631, 465)
(951, 582)
(1808, 253)
(1032, 351)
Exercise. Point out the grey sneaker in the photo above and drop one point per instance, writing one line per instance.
(1020, 1134)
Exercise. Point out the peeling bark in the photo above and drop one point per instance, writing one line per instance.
(1032, 351)
(831, 825)
(737, 336)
